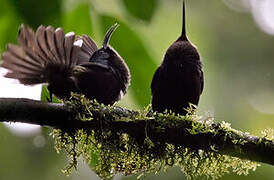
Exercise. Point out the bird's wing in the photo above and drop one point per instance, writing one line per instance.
(156, 79)
(99, 82)
(202, 81)
(88, 47)
(91, 65)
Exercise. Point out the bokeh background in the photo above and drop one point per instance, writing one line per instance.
(235, 39)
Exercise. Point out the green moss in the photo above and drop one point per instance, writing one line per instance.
(268, 134)
(110, 153)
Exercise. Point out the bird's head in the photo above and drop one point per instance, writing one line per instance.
(105, 54)
(109, 58)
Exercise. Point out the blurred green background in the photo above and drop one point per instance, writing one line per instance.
(233, 38)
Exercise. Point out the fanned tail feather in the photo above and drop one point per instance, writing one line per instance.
(88, 47)
(68, 46)
(21, 66)
(29, 61)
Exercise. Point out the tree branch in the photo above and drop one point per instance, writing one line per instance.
(222, 140)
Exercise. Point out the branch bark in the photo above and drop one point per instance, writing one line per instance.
(233, 143)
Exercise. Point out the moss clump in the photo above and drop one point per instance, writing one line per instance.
(268, 134)
(109, 153)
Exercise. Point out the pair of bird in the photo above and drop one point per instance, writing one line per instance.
(69, 63)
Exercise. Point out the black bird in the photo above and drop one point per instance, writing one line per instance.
(179, 80)
(67, 64)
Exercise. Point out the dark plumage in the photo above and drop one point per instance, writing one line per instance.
(67, 64)
(179, 80)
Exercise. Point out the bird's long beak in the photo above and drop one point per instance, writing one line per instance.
(108, 35)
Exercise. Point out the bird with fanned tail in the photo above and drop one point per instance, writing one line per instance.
(67, 63)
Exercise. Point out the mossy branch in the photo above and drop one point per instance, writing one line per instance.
(160, 128)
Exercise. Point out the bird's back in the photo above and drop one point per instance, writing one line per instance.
(175, 86)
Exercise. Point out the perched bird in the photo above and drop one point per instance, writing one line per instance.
(179, 80)
(67, 64)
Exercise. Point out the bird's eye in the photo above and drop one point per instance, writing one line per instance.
(104, 55)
